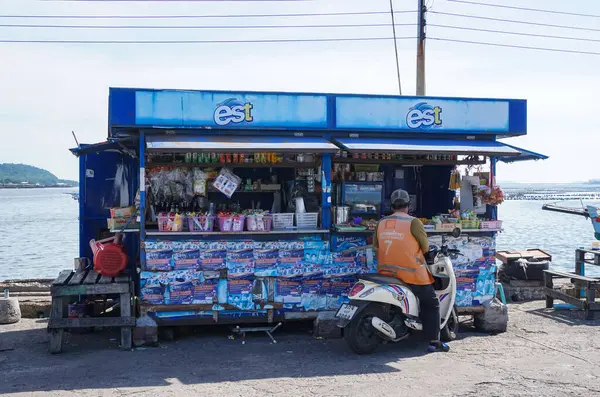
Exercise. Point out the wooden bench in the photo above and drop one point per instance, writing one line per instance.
(588, 285)
(89, 283)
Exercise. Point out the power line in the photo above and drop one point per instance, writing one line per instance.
(172, 1)
(366, 25)
(323, 14)
(514, 21)
(513, 33)
(526, 8)
(515, 46)
(200, 41)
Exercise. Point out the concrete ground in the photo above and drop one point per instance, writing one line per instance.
(544, 353)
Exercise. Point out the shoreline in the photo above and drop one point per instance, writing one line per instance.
(37, 187)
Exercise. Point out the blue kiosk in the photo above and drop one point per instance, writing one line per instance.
(333, 158)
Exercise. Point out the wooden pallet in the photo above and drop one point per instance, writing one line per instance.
(89, 283)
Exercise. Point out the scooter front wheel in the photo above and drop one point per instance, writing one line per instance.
(360, 335)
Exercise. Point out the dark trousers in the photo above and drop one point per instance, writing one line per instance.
(429, 310)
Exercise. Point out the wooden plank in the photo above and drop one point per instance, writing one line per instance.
(301, 316)
(466, 310)
(57, 323)
(91, 278)
(105, 280)
(122, 279)
(126, 334)
(78, 278)
(572, 276)
(96, 289)
(564, 297)
(548, 281)
(62, 278)
(56, 336)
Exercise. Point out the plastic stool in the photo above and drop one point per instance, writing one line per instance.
(500, 289)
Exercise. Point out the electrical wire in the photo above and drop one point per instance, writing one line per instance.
(514, 21)
(513, 33)
(514, 46)
(366, 25)
(200, 41)
(323, 14)
(526, 8)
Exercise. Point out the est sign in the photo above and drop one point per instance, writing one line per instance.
(423, 115)
(233, 111)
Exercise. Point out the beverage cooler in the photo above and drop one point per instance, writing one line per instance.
(364, 199)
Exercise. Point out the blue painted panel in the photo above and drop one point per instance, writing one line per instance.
(424, 115)
(230, 110)
(121, 106)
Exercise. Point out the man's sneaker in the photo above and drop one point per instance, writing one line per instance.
(438, 347)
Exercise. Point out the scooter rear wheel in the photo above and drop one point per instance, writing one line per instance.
(360, 334)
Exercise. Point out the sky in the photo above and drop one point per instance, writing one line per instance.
(49, 90)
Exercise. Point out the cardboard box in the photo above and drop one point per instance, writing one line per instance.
(118, 223)
(125, 212)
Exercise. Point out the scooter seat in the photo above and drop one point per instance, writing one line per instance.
(379, 279)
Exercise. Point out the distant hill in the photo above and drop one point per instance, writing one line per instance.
(22, 173)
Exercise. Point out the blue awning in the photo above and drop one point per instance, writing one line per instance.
(524, 156)
(240, 144)
(430, 146)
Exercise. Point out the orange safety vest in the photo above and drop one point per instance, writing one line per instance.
(399, 254)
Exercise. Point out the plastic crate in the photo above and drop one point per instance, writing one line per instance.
(259, 223)
(201, 223)
(491, 224)
(170, 223)
(307, 220)
(232, 223)
(470, 223)
(283, 221)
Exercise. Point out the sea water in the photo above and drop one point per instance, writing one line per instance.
(39, 232)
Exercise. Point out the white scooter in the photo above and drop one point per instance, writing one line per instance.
(382, 308)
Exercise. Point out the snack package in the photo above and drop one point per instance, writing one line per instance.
(186, 255)
(239, 294)
(205, 291)
(158, 255)
(227, 182)
(288, 292)
(291, 257)
(338, 290)
(342, 265)
(340, 242)
(152, 287)
(213, 255)
(313, 297)
(180, 289)
(199, 183)
(266, 258)
(316, 252)
(240, 259)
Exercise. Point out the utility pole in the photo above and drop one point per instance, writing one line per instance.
(421, 49)
(395, 47)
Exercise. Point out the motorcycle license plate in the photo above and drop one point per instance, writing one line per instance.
(346, 312)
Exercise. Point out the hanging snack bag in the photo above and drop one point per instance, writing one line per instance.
(199, 182)
(227, 182)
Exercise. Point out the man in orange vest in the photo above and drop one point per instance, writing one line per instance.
(400, 242)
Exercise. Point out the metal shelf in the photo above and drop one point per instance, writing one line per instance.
(235, 165)
(272, 232)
